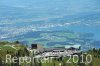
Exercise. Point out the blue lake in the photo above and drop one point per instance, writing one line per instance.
(20, 19)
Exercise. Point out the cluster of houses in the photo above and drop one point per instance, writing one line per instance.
(67, 50)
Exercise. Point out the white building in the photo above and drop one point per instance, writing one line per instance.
(73, 46)
(58, 52)
(73, 49)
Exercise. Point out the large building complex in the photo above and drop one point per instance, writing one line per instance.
(70, 49)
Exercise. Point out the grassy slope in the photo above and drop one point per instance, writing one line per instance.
(5, 49)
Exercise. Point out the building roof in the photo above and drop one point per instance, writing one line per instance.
(74, 46)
